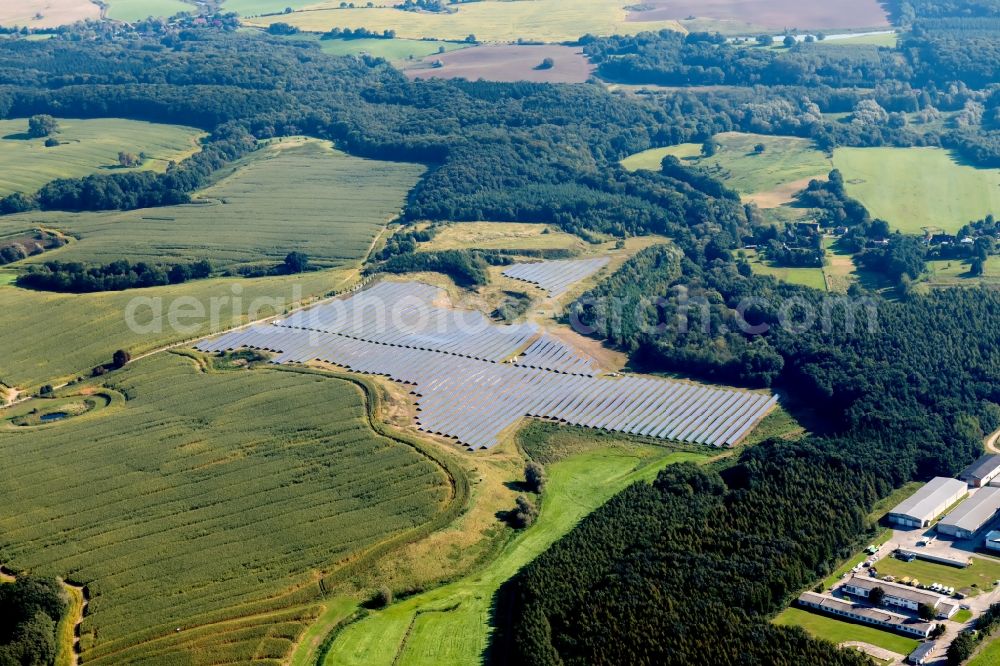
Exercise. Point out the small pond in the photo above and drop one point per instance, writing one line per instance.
(53, 416)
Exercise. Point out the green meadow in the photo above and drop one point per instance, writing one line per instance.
(805, 276)
(86, 147)
(770, 178)
(919, 188)
(136, 10)
(451, 624)
(207, 548)
(390, 49)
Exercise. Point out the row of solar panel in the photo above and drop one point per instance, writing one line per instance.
(549, 353)
(402, 314)
(474, 401)
(556, 277)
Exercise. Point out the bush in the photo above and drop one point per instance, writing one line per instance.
(534, 477)
(524, 513)
(120, 359)
(383, 597)
(42, 125)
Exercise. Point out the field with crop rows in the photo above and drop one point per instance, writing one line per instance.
(46, 335)
(489, 20)
(86, 147)
(172, 527)
(296, 195)
(770, 178)
(918, 188)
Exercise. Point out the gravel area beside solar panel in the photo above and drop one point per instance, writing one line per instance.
(474, 399)
(556, 277)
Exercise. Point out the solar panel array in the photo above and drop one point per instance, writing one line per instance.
(404, 314)
(475, 400)
(550, 353)
(556, 276)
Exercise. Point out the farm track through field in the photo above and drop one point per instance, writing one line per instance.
(991, 442)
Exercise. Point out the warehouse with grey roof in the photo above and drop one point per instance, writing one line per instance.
(971, 515)
(981, 472)
(933, 499)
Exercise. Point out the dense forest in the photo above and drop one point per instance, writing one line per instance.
(685, 571)
(30, 608)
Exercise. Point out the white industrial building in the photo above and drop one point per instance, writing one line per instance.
(866, 614)
(900, 596)
(981, 472)
(971, 515)
(923, 506)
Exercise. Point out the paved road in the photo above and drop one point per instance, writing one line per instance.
(875, 651)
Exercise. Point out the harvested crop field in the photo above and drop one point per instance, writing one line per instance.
(770, 14)
(52, 12)
(192, 510)
(496, 62)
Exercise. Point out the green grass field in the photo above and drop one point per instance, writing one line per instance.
(489, 20)
(807, 277)
(296, 195)
(770, 178)
(982, 572)
(989, 655)
(209, 498)
(390, 49)
(835, 631)
(948, 272)
(450, 625)
(918, 188)
(7, 277)
(888, 40)
(136, 10)
(87, 146)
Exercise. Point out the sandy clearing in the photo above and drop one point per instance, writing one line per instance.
(780, 195)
